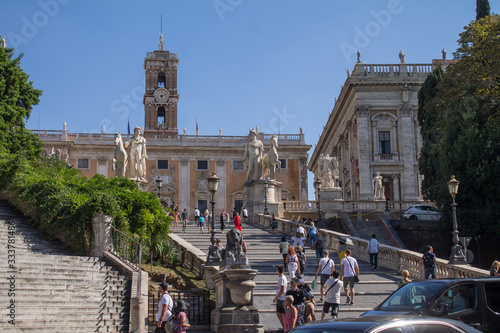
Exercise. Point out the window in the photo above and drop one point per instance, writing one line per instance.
(492, 292)
(459, 298)
(202, 165)
(384, 139)
(161, 116)
(283, 163)
(162, 164)
(161, 80)
(83, 163)
(237, 165)
(434, 328)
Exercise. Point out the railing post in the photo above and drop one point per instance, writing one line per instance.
(101, 225)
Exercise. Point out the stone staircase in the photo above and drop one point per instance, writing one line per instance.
(366, 228)
(45, 289)
(263, 254)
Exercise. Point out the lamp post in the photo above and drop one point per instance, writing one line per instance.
(457, 252)
(159, 184)
(266, 209)
(317, 186)
(213, 251)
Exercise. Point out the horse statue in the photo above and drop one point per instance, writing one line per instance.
(271, 159)
(120, 157)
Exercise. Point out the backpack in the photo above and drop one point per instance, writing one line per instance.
(301, 258)
(428, 260)
(319, 244)
(301, 309)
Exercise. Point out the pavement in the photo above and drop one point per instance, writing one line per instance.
(264, 256)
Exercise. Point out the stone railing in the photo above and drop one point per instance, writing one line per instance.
(351, 206)
(391, 69)
(389, 257)
(190, 257)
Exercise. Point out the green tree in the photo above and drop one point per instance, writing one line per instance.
(482, 8)
(17, 98)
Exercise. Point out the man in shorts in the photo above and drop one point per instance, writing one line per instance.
(280, 294)
(332, 298)
(348, 269)
(196, 215)
(326, 266)
(245, 215)
(184, 217)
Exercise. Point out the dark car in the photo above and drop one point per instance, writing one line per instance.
(474, 301)
(386, 324)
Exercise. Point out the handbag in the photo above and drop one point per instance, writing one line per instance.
(171, 324)
(356, 278)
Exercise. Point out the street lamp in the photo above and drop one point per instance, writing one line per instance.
(159, 184)
(457, 252)
(213, 251)
(266, 209)
(317, 186)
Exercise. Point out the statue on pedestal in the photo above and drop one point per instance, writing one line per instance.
(271, 160)
(253, 157)
(137, 155)
(378, 188)
(120, 157)
(328, 171)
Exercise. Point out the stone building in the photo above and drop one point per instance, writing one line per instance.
(184, 162)
(373, 129)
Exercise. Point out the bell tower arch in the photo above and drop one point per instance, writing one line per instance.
(161, 97)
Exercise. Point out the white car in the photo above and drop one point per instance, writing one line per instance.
(422, 212)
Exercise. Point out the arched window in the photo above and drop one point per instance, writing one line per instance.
(161, 80)
(161, 116)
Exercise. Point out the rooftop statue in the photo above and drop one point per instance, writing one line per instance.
(254, 150)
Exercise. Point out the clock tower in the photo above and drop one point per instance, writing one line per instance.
(161, 97)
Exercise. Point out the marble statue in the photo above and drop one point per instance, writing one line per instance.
(348, 71)
(253, 157)
(328, 171)
(401, 56)
(184, 132)
(271, 160)
(137, 155)
(444, 54)
(220, 131)
(378, 188)
(64, 126)
(103, 129)
(4, 43)
(120, 157)
(234, 248)
(359, 57)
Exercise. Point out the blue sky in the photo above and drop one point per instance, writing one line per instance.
(242, 63)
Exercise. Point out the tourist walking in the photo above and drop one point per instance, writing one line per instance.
(495, 266)
(302, 258)
(429, 259)
(348, 270)
(245, 214)
(176, 219)
(201, 223)
(274, 224)
(206, 215)
(309, 314)
(222, 220)
(165, 306)
(304, 286)
(325, 268)
(342, 249)
(301, 230)
(181, 317)
(298, 239)
(373, 248)
(332, 296)
(313, 232)
(284, 249)
(237, 221)
(293, 262)
(405, 280)
(196, 214)
(290, 316)
(319, 245)
(184, 217)
(298, 299)
(279, 299)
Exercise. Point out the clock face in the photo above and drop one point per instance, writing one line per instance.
(161, 95)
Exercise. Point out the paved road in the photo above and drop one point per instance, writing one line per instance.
(263, 254)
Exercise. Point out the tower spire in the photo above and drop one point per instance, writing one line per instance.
(161, 45)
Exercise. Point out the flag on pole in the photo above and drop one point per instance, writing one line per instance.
(163, 126)
(197, 127)
(128, 126)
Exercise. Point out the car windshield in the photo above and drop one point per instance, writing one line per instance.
(411, 297)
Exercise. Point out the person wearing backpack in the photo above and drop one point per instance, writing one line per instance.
(429, 258)
(319, 245)
(313, 232)
(332, 296)
(302, 257)
(165, 307)
(326, 266)
(298, 299)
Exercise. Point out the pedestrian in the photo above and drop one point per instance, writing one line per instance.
(494, 268)
(373, 248)
(309, 314)
(405, 279)
(290, 316)
(332, 297)
(313, 232)
(181, 317)
(184, 216)
(319, 245)
(222, 220)
(302, 258)
(245, 214)
(293, 262)
(325, 268)
(220, 247)
(196, 214)
(298, 239)
(165, 307)
(234, 212)
(342, 249)
(201, 223)
(298, 299)
(304, 286)
(279, 299)
(176, 219)
(206, 216)
(429, 259)
(348, 270)
(284, 249)
(274, 224)
(237, 221)
(301, 230)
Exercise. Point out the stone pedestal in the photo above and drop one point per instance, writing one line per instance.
(255, 198)
(210, 271)
(234, 310)
(331, 201)
(101, 225)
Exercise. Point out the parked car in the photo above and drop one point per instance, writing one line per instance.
(386, 324)
(474, 301)
(422, 212)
